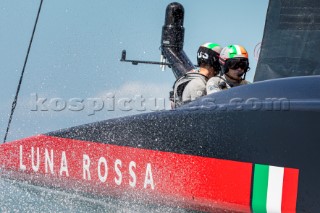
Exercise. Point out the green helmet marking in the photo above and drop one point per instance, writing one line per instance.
(232, 51)
(212, 45)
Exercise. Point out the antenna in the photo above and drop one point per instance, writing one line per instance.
(136, 62)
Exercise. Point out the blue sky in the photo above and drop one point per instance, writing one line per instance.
(77, 46)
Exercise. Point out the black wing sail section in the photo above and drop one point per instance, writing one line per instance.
(291, 40)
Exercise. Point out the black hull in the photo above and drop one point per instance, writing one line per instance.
(283, 135)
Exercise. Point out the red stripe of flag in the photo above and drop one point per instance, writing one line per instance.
(289, 190)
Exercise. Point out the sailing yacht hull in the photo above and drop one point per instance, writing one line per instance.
(217, 152)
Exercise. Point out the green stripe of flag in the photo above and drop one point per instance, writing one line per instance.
(260, 188)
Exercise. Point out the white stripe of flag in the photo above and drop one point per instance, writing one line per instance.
(238, 50)
(275, 183)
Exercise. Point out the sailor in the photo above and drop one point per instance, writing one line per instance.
(234, 66)
(193, 85)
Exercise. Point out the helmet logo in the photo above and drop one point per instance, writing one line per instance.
(203, 55)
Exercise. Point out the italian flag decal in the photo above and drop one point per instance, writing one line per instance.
(274, 189)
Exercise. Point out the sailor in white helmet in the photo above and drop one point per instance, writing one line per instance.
(234, 66)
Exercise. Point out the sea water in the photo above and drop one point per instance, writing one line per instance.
(17, 196)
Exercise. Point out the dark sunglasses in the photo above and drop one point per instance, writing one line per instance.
(236, 63)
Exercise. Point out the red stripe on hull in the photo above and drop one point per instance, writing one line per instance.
(170, 178)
